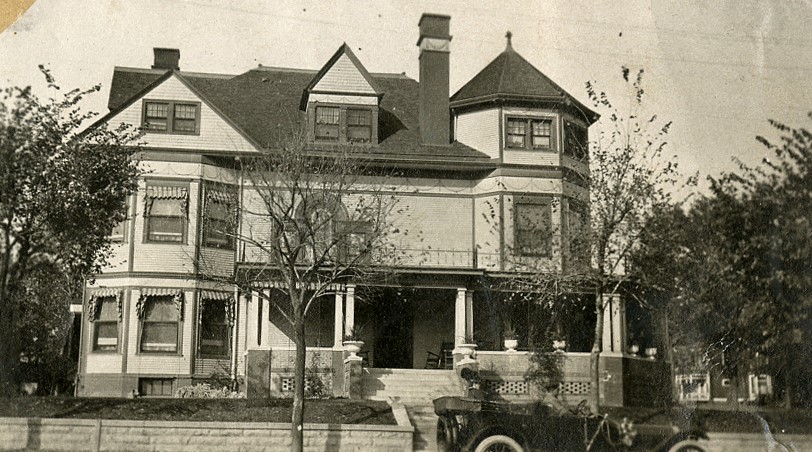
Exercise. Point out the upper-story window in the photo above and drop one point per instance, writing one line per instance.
(533, 227)
(530, 133)
(219, 216)
(576, 143)
(344, 124)
(171, 117)
(165, 214)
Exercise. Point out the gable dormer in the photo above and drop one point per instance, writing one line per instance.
(342, 102)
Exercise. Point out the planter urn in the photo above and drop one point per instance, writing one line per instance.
(511, 344)
(559, 345)
(353, 347)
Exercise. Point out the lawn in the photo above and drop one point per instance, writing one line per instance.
(747, 419)
(329, 411)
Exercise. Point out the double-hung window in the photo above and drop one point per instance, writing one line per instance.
(327, 122)
(119, 232)
(215, 328)
(219, 221)
(530, 133)
(165, 214)
(160, 325)
(105, 325)
(171, 117)
(576, 143)
(359, 125)
(533, 227)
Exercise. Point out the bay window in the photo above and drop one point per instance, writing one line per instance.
(105, 324)
(530, 133)
(533, 227)
(160, 323)
(165, 214)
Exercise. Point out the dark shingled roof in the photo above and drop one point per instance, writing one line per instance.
(510, 77)
(264, 104)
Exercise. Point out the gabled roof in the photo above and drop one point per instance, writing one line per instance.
(263, 105)
(509, 77)
(344, 50)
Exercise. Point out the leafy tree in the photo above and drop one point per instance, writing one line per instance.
(313, 222)
(61, 192)
(740, 279)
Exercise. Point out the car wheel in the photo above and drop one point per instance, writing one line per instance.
(498, 443)
(446, 434)
(687, 445)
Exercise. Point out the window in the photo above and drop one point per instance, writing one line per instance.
(166, 214)
(576, 143)
(219, 219)
(159, 327)
(530, 133)
(359, 125)
(171, 117)
(119, 232)
(533, 228)
(578, 232)
(327, 123)
(156, 387)
(214, 328)
(105, 325)
(320, 222)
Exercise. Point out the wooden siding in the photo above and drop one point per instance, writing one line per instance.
(216, 262)
(487, 223)
(103, 363)
(117, 261)
(144, 363)
(165, 257)
(343, 77)
(215, 133)
(480, 130)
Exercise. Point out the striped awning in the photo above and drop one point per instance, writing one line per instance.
(164, 192)
(215, 295)
(147, 292)
(220, 195)
(102, 292)
(94, 304)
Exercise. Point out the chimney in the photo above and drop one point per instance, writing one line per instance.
(434, 46)
(166, 58)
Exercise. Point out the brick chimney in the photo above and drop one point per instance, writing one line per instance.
(434, 46)
(166, 58)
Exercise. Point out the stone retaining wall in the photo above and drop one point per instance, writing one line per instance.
(99, 435)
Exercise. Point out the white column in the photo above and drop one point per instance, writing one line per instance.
(614, 324)
(469, 313)
(266, 318)
(338, 320)
(459, 317)
(349, 317)
(251, 321)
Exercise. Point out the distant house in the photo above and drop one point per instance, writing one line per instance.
(489, 176)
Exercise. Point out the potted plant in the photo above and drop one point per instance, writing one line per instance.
(352, 341)
(651, 352)
(634, 349)
(511, 338)
(559, 345)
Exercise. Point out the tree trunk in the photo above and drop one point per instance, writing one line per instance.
(594, 356)
(297, 419)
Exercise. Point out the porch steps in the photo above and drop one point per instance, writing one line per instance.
(415, 389)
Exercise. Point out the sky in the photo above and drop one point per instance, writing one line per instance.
(717, 68)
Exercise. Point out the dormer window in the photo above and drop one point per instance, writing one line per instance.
(327, 122)
(171, 117)
(343, 124)
(530, 133)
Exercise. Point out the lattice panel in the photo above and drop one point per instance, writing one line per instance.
(287, 384)
(574, 387)
(507, 387)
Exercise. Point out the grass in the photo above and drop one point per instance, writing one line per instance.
(329, 411)
(747, 419)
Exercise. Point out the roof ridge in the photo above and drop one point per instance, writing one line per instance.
(140, 70)
(284, 69)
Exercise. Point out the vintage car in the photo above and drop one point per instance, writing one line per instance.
(473, 424)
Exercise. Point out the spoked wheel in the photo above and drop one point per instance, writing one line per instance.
(687, 445)
(498, 443)
(447, 429)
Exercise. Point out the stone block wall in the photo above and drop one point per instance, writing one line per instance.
(103, 435)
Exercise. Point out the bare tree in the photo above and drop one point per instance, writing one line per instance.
(312, 221)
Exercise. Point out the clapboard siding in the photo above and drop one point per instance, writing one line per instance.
(480, 130)
(117, 261)
(531, 157)
(216, 262)
(103, 363)
(343, 76)
(215, 133)
(141, 363)
(487, 224)
(164, 257)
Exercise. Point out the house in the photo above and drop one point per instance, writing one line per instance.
(490, 177)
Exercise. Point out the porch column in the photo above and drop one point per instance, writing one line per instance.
(469, 313)
(338, 321)
(266, 318)
(349, 316)
(459, 317)
(614, 324)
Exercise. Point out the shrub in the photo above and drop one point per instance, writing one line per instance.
(205, 391)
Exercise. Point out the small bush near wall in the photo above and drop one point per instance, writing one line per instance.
(205, 391)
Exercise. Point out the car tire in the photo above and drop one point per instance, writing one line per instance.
(498, 443)
(687, 445)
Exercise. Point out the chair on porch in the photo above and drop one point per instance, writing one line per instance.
(447, 354)
(432, 360)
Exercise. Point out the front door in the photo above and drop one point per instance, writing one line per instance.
(394, 319)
